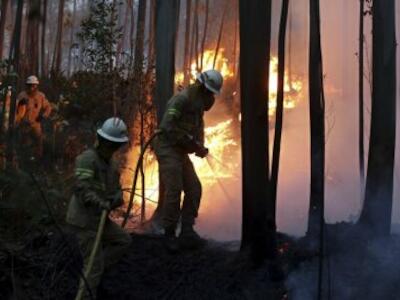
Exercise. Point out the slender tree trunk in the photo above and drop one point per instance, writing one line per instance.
(196, 35)
(152, 27)
(3, 18)
(57, 55)
(186, 60)
(32, 36)
(361, 100)
(279, 110)
(203, 42)
(377, 210)
(139, 47)
(14, 58)
(255, 32)
(44, 70)
(221, 28)
(131, 34)
(71, 40)
(317, 124)
(167, 13)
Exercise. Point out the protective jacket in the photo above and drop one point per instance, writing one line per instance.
(182, 122)
(96, 181)
(31, 108)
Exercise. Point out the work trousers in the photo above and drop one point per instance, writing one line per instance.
(115, 241)
(177, 174)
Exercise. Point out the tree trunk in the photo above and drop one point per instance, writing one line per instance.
(3, 18)
(14, 58)
(203, 42)
(139, 47)
(279, 109)
(255, 33)
(57, 55)
(361, 100)
(44, 70)
(377, 210)
(186, 58)
(167, 13)
(32, 36)
(221, 28)
(71, 39)
(151, 50)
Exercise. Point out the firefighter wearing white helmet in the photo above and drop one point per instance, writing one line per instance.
(97, 187)
(32, 108)
(182, 133)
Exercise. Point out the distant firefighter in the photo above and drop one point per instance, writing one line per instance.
(182, 133)
(32, 109)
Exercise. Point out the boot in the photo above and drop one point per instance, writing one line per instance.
(171, 242)
(190, 239)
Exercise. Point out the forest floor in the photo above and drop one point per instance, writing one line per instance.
(38, 262)
(45, 267)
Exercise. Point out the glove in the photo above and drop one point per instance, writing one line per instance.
(202, 152)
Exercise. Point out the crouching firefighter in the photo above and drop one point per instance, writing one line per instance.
(97, 189)
(181, 133)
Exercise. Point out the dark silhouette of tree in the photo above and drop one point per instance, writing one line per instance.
(186, 58)
(14, 59)
(57, 54)
(317, 124)
(361, 99)
(167, 13)
(255, 32)
(31, 65)
(43, 60)
(3, 18)
(279, 109)
(377, 210)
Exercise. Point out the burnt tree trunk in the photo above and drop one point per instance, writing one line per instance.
(3, 18)
(43, 63)
(57, 55)
(279, 109)
(186, 57)
(203, 41)
(71, 39)
(255, 33)
(317, 124)
(377, 209)
(139, 46)
(32, 36)
(167, 13)
(361, 100)
(14, 58)
(221, 28)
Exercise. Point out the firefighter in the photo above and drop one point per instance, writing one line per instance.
(32, 109)
(182, 133)
(97, 188)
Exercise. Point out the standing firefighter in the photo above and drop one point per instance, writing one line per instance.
(97, 188)
(32, 109)
(182, 133)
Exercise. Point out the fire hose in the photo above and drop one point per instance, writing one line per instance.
(93, 253)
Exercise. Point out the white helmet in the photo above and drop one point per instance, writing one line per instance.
(114, 130)
(212, 79)
(32, 80)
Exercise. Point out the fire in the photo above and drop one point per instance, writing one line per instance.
(221, 143)
(292, 88)
(222, 162)
(221, 64)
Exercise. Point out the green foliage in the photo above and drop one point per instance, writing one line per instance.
(99, 35)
